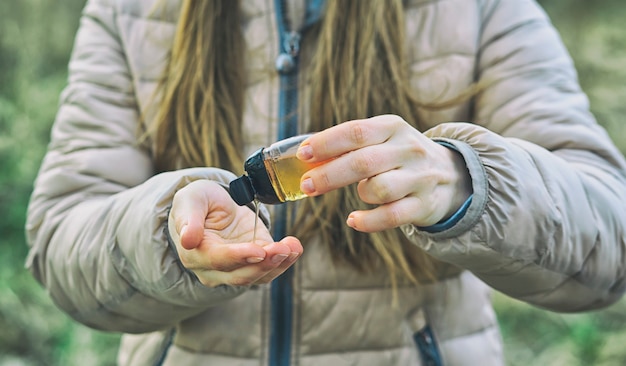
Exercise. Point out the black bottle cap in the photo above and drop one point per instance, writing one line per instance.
(241, 190)
(257, 183)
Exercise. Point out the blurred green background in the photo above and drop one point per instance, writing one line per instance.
(35, 42)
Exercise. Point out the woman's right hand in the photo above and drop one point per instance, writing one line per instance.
(213, 237)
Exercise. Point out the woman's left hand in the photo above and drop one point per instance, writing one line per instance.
(411, 178)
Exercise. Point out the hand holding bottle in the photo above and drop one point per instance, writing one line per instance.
(411, 178)
(213, 236)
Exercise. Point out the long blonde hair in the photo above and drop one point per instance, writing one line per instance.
(198, 122)
(359, 69)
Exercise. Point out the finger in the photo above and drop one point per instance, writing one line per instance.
(200, 205)
(348, 136)
(277, 252)
(189, 210)
(280, 256)
(409, 210)
(387, 187)
(191, 232)
(382, 188)
(296, 252)
(277, 260)
(349, 168)
(222, 257)
(226, 258)
(293, 243)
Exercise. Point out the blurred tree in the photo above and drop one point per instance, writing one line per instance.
(36, 37)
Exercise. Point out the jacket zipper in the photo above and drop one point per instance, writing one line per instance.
(281, 308)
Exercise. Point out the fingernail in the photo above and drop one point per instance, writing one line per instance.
(307, 186)
(305, 152)
(253, 260)
(293, 256)
(350, 221)
(279, 258)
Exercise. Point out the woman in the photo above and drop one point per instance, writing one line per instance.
(132, 230)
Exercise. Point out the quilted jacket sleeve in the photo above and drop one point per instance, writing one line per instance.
(547, 224)
(96, 217)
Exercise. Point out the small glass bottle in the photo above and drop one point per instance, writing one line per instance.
(273, 174)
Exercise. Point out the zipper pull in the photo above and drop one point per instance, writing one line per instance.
(286, 61)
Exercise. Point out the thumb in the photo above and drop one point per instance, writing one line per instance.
(189, 211)
(191, 233)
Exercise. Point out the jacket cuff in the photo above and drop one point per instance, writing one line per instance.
(449, 222)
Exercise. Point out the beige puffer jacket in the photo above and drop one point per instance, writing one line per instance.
(546, 224)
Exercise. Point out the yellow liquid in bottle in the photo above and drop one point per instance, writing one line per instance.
(285, 174)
